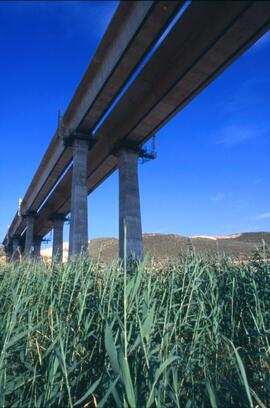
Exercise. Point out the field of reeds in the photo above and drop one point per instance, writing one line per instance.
(193, 332)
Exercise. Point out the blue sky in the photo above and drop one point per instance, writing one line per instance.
(212, 174)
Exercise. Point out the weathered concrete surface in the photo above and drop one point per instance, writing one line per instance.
(78, 236)
(15, 247)
(29, 237)
(129, 205)
(57, 248)
(37, 245)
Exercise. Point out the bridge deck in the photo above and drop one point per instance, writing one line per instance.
(207, 38)
(134, 28)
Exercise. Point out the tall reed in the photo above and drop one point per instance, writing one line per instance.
(194, 332)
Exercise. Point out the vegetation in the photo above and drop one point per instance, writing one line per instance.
(2, 251)
(163, 246)
(194, 333)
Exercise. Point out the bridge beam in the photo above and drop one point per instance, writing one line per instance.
(129, 205)
(58, 226)
(29, 238)
(78, 234)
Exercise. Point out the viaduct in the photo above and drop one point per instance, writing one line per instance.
(154, 58)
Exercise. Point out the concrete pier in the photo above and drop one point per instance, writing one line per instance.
(57, 248)
(8, 251)
(78, 234)
(15, 247)
(37, 245)
(29, 236)
(129, 205)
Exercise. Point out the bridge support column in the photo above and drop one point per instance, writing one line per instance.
(58, 226)
(37, 246)
(30, 216)
(129, 205)
(15, 247)
(78, 234)
(8, 251)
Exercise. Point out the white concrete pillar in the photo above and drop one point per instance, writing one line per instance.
(15, 247)
(129, 205)
(29, 238)
(58, 226)
(78, 234)
(37, 246)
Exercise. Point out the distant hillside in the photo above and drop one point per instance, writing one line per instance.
(171, 245)
(159, 245)
(240, 245)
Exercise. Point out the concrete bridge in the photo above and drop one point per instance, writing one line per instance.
(154, 58)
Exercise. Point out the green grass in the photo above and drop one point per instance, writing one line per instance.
(192, 333)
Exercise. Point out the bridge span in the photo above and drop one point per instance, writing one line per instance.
(154, 58)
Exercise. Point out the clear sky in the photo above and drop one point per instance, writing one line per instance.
(212, 174)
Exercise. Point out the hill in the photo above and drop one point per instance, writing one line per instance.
(171, 245)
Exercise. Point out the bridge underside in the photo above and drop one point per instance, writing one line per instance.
(203, 42)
